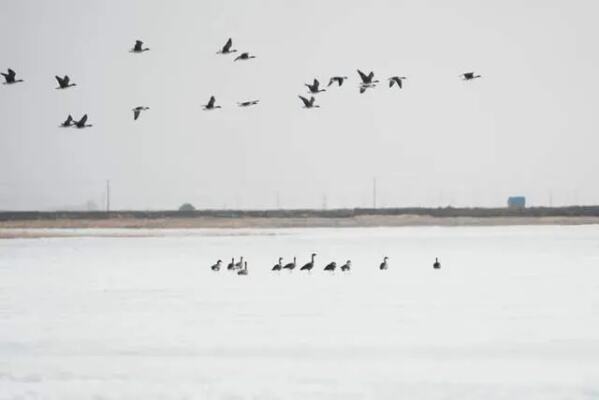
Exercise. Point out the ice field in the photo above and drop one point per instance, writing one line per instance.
(512, 314)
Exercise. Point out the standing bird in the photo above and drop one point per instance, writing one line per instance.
(64, 83)
(68, 122)
(396, 80)
(82, 123)
(331, 266)
(338, 79)
(384, 265)
(346, 267)
(216, 267)
(468, 76)
(210, 105)
(437, 264)
(244, 56)
(290, 266)
(244, 270)
(278, 265)
(231, 265)
(314, 87)
(138, 48)
(248, 103)
(227, 48)
(310, 265)
(9, 77)
(138, 110)
(309, 103)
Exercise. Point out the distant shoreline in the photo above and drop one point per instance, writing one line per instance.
(16, 224)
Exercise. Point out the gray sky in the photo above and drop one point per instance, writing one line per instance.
(529, 127)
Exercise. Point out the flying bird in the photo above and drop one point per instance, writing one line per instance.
(138, 48)
(314, 87)
(210, 105)
(337, 79)
(82, 123)
(64, 83)
(309, 103)
(248, 103)
(68, 122)
(138, 110)
(396, 80)
(244, 56)
(9, 77)
(468, 76)
(227, 48)
(367, 79)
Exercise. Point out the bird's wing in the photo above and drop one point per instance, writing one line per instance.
(391, 82)
(69, 119)
(135, 114)
(399, 83)
(59, 79)
(66, 79)
(370, 75)
(363, 76)
(211, 101)
(362, 89)
(11, 73)
(312, 100)
(316, 83)
(228, 45)
(331, 81)
(306, 101)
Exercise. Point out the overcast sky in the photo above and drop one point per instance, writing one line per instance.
(529, 127)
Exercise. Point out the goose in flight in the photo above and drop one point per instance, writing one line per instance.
(396, 80)
(138, 110)
(82, 123)
(244, 56)
(9, 77)
(468, 76)
(210, 105)
(64, 83)
(384, 265)
(309, 103)
(68, 122)
(227, 48)
(248, 103)
(314, 87)
(337, 79)
(138, 48)
(367, 79)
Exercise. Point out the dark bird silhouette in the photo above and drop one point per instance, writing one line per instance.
(314, 87)
(82, 123)
(331, 266)
(68, 122)
(210, 105)
(309, 103)
(346, 267)
(278, 265)
(468, 76)
(9, 77)
(138, 110)
(248, 103)
(64, 83)
(231, 265)
(384, 264)
(310, 265)
(437, 264)
(227, 48)
(244, 270)
(396, 80)
(244, 56)
(367, 79)
(138, 48)
(337, 79)
(290, 265)
(216, 267)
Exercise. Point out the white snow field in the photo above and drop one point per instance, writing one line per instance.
(512, 314)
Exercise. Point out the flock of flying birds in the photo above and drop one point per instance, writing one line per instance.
(242, 266)
(366, 82)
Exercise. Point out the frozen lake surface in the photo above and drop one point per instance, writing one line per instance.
(512, 314)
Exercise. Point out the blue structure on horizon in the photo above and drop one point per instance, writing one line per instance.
(516, 202)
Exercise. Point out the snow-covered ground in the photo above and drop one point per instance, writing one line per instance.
(512, 314)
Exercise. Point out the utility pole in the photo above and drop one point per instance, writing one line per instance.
(107, 196)
(373, 192)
